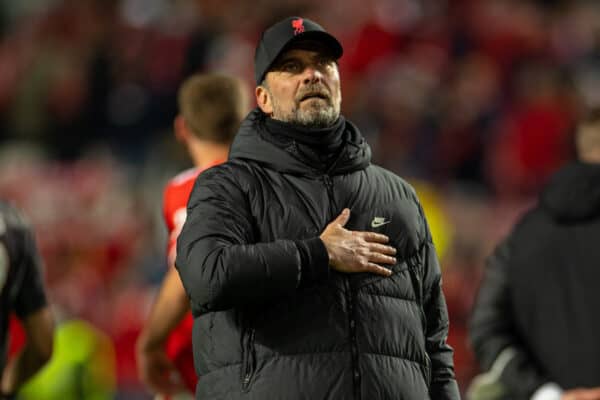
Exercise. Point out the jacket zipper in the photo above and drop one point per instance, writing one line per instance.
(353, 341)
(333, 210)
(414, 263)
(249, 361)
(328, 182)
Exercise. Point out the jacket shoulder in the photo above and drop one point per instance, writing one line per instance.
(394, 181)
(232, 176)
(532, 220)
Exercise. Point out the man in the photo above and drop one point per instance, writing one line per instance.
(311, 272)
(535, 324)
(22, 292)
(211, 108)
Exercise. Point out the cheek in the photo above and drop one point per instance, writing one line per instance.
(286, 97)
(337, 93)
(334, 83)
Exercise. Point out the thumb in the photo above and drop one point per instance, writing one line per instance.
(343, 218)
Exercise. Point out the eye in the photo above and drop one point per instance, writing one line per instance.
(292, 66)
(325, 62)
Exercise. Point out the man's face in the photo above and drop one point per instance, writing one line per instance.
(302, 87)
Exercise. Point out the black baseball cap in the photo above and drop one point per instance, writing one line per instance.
(284, 33)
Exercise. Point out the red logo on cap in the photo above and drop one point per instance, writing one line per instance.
(298, 25)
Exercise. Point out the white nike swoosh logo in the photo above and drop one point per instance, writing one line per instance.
(378, 223)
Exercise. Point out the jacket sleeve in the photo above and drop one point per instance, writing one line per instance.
(31, 294)
(443, 382)
(494, 337)
(219, 262)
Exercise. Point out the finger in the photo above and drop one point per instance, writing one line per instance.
(593, 394)
(381, 258)
(587, 396)
(380, 248)
(169, 383)
(176, 381)
(374, 237)
(378, 269)
(343, 218)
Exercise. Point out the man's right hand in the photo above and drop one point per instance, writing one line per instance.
(156, 371)
(582, 394)
(356, 251)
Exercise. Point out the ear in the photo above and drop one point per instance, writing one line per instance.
(263, 100)
(181, 130)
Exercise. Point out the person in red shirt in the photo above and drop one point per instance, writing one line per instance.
(211, 107)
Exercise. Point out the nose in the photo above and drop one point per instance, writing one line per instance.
(312, 74)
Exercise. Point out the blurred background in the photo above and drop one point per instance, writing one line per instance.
(474, 102)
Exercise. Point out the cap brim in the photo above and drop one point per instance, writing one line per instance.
(328, 42)
(314, 40)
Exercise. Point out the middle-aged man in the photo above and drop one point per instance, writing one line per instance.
(311, 272)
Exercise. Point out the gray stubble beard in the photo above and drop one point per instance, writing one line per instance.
(316, 116)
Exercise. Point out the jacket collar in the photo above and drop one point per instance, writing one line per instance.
(254, 142)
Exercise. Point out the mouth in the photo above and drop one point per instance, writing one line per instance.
(316, 95)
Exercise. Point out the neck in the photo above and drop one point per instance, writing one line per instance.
(319, 146)
(204, 153)
(331, 135)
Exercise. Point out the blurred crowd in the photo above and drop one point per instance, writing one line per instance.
(473, 101)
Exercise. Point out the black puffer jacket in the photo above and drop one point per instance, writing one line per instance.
(271, 320)
(539, 303)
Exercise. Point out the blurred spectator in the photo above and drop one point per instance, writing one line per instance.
(534, 135)
(82, 73)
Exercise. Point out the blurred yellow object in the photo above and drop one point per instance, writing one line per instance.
(82, 366)
(439, 224)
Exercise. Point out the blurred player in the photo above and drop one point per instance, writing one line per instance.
(211, 108)
(21, 291)
(535, 328)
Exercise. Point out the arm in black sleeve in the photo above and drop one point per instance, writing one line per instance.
(493, 333)
(219, 261)
(314, 260)
(443, 382)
